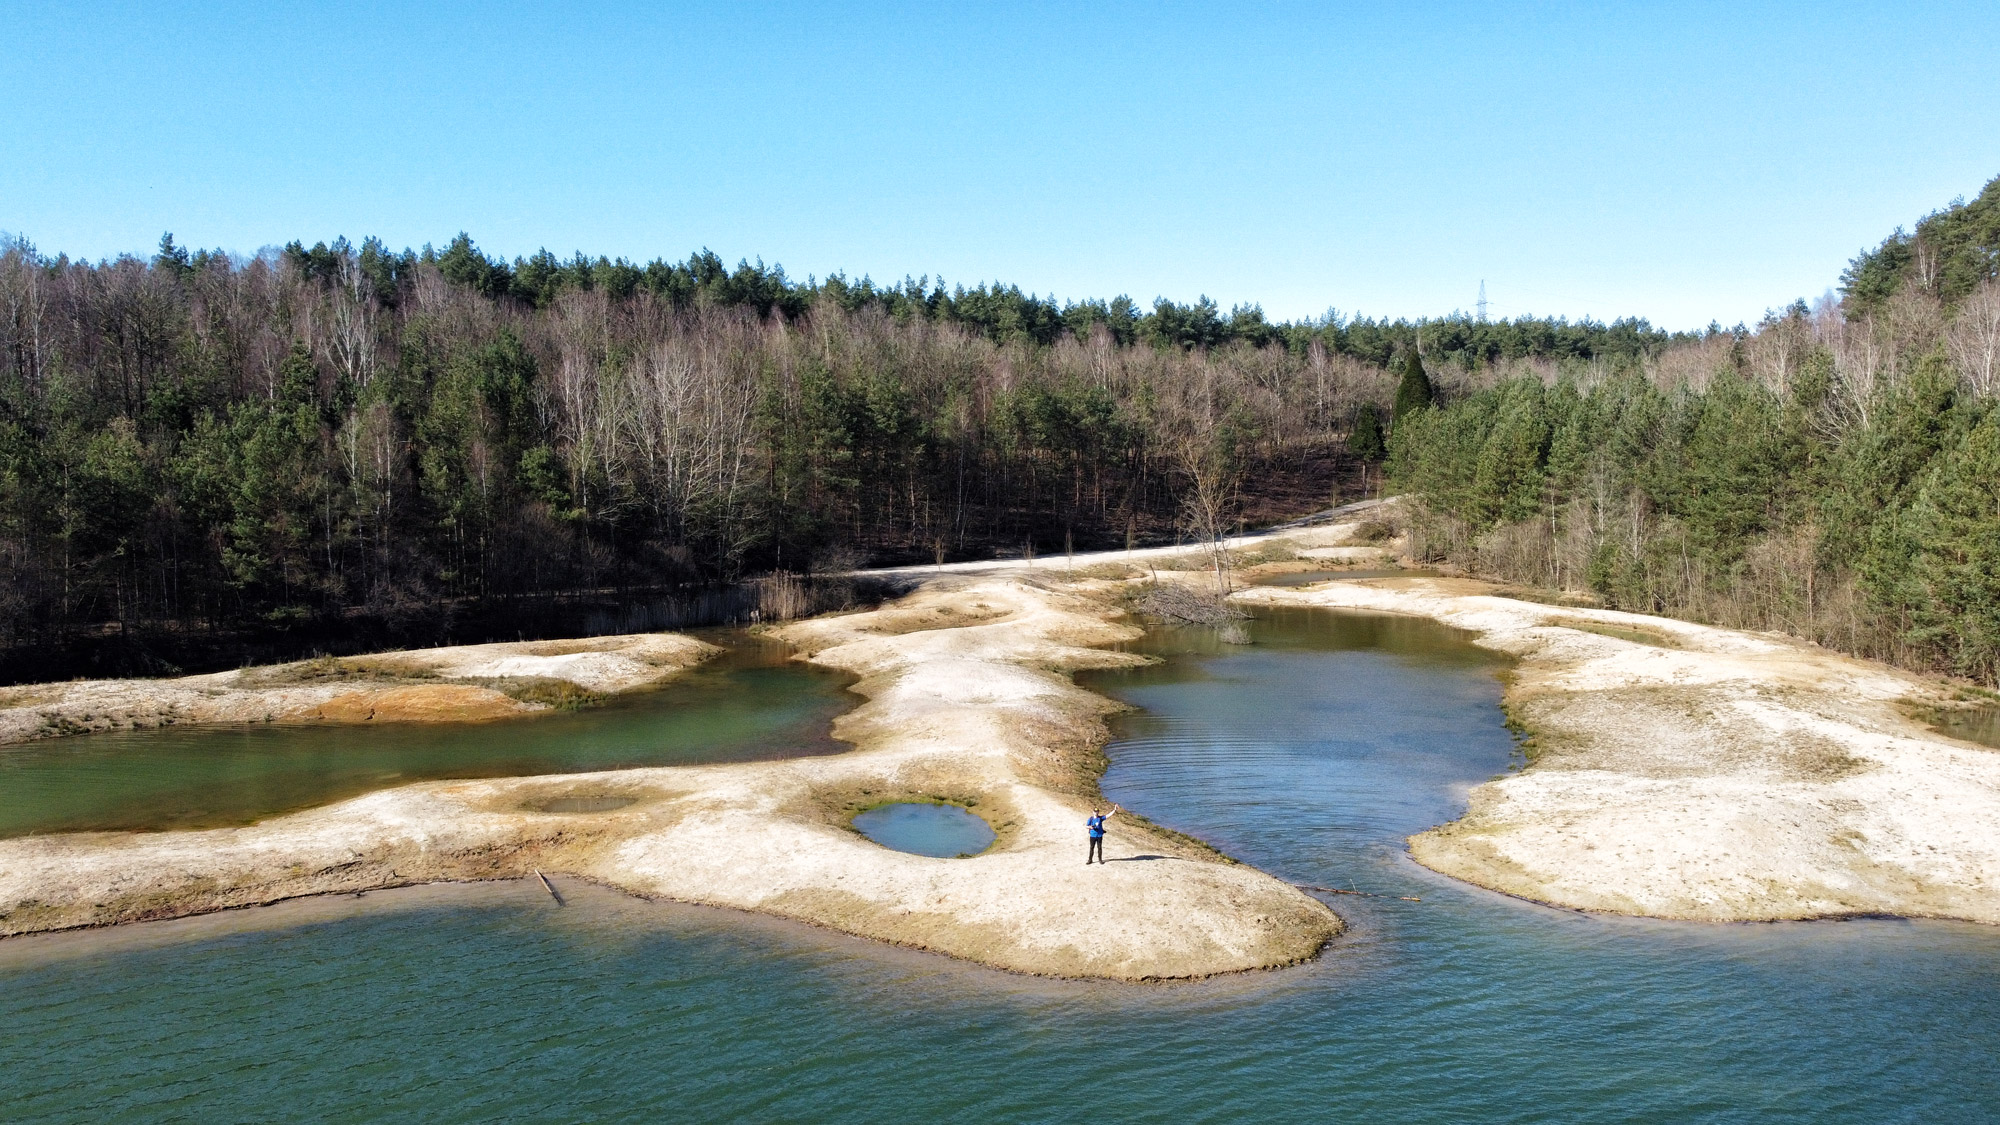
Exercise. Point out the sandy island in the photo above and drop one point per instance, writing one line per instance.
(462, 683)
(969, 700)
(1679, 772)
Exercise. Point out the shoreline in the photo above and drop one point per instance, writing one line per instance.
(1687, 772)
(452, 684)
(1666, 758)
(967, 695)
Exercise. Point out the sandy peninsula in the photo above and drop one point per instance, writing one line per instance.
(1682, 771)
(463, 683)
(1678, 771)
(968, 700)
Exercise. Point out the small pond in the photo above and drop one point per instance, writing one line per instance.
(939, 831)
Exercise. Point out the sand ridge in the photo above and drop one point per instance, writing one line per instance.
(460, 683)
(968, 700)
(1683, 771)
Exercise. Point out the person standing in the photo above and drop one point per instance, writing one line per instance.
(1096, 826)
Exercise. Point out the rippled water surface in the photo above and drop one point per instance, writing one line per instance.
(749, 702)
(1310, 753)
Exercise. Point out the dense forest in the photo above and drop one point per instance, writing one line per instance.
(335, 445)
(1833, 472)
(205, 457)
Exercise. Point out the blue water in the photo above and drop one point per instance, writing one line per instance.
(939, 831)
(1309, 755)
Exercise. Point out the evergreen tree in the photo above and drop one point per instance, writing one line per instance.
(1364, 438)
(1414, 392)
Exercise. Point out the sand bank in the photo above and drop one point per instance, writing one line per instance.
(1682, 771)
(968, 699)
(464, 683)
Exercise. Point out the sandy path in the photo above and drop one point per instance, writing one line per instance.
(968, 699)
(1690, 772)
(462, 683)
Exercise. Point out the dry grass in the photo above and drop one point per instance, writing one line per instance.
(1634, 634)
(331, 669)
(560, 695)
(1176, 602)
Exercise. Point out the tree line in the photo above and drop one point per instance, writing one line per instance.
(327, 437)
(1833, 472)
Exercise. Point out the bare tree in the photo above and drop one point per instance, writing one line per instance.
(1974, 339)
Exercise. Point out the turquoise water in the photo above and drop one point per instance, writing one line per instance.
(1311, 753)
(940, 831)
(750, 702)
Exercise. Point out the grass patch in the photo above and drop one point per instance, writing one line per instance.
(28, 696)
(1526, 740)
(1620, 632)
(1277, 550)
(561, 695)
(333, 669)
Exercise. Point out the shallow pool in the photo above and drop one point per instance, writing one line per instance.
(1311, 752)
(750, 702)
(939, 831)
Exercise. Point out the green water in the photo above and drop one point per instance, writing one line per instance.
(1311, 753)
(750, 702)
(1980, 724)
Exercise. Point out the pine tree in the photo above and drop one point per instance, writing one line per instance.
(1414, 392)
(1364, 439)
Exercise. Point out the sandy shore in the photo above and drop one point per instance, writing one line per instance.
(464, 683)
(968, 699)
(1688, 772)
(1680, 772)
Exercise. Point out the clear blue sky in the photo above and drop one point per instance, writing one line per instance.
(1681, 162)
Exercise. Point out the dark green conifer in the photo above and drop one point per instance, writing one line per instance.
(1364, 438)
(1414, 392)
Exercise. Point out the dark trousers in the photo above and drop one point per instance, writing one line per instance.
(1096, 850)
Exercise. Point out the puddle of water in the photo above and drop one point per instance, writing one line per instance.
(1977, 724)
(750, 703)
(939, 831)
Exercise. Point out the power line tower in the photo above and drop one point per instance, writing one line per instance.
(1482, 300)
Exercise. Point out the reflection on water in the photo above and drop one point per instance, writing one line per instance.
(1975, 724)
(493, 1004)
(750, 702)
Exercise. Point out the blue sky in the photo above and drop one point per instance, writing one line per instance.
(1679, 162)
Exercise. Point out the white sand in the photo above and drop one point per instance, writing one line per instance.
(968, 699)
(455, 684)
(1717, 775)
